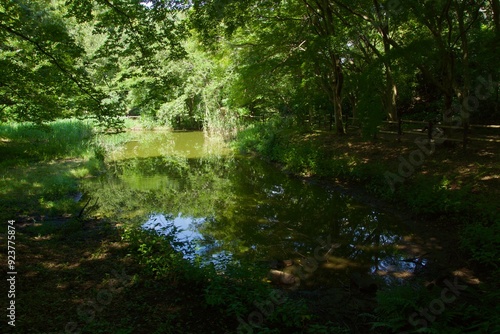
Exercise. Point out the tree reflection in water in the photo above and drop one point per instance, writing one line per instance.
(244, 208)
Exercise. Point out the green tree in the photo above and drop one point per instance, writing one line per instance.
(41, 78)
(279, 31)
(85, 58)
(137, 43)
(443, 44)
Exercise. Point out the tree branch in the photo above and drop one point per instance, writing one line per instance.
(53, 60)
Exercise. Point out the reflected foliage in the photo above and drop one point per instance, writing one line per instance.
(244, 207)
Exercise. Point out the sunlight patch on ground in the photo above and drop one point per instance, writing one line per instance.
(334, 262)
(55, 265)
(467, 275)
(43, 237)
(490, 177)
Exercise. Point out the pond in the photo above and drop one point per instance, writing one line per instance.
(232, 208)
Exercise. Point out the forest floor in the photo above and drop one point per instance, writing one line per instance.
(78, 275)
(477, 167)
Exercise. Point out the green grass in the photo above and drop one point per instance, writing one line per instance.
(56, 140)
(41, 166)
(28, 190)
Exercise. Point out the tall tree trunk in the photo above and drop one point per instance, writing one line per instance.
(337, 97)
(495, 6)
(391, 95)
(354, 103)
(464, 93)
(391, 91)
(448, 84)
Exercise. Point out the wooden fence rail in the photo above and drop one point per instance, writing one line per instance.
(428, 128)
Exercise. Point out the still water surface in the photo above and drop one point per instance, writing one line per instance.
(233, 207)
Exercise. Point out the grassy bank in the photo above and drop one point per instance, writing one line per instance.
(41, 166)
(448, 192)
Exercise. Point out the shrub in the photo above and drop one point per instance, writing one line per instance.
(427, 194)
(482, 241)
(155, 250)
(396, 305)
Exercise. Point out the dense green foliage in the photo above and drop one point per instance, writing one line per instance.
(321, 60)
(215, 64)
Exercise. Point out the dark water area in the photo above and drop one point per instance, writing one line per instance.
(233, 208)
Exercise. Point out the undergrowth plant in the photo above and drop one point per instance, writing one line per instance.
(417, 309)
(155, 250)
(481, 240)
(236, 288)
(395, 306)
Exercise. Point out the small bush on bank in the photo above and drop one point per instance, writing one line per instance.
(482, 242)
(432, 194)
(258, 137)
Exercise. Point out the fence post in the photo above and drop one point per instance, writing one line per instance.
(429, 130)
(400, 130)
(466, 133)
